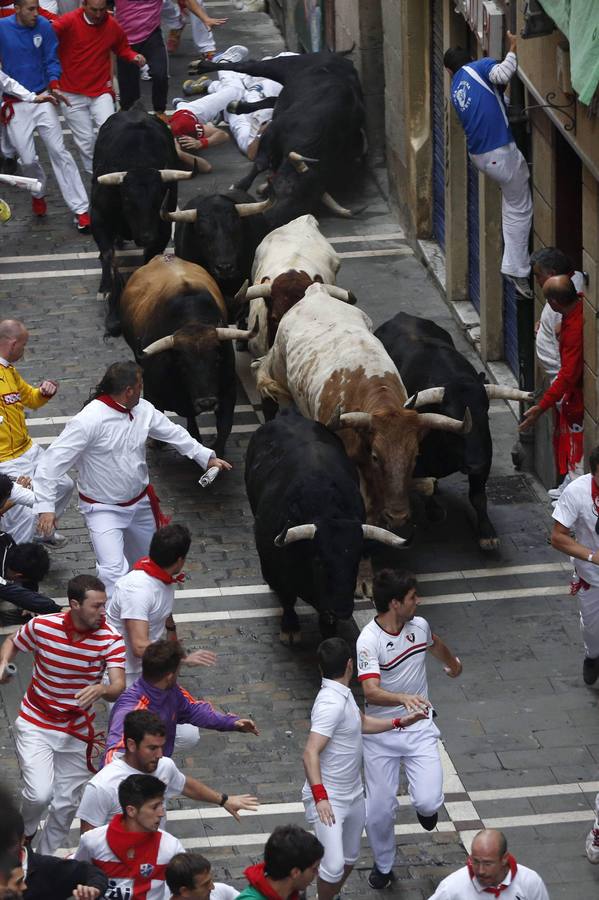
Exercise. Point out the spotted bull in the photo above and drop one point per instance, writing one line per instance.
(309, 519)
(326, 359)
(173, 316)
(288, 260)
(438, 377)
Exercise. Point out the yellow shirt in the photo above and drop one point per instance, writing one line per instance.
(15, 395)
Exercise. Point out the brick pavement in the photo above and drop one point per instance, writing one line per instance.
(519, 727)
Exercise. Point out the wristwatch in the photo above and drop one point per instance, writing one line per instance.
(223, 799)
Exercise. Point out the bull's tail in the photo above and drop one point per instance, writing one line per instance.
(266, 384)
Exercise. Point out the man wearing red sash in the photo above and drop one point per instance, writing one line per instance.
(54, 731)
(106, 442)
(131, 850)
(490, 869)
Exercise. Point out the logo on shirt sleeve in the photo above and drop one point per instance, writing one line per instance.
(10, 399)
(363, 659)
(461, 95)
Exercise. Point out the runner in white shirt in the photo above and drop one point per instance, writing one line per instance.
(106, 441)
(189, 875)
(54, 731)
(577, 510)
(144, 737)
(131, 850)
(491, 870)
(333, 793)
(391, 653)
(141, 607)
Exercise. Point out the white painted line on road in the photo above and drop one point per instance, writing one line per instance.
(558, 818)
(538, 790)
(359, 254)
(207, 430)
(138, 251)
(531, 569)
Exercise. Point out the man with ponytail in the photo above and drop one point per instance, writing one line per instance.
(106, 442)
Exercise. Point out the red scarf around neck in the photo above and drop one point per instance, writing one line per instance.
(72, 630)
(256, 877)
(496, 891)
(147, 565)
(108, 400)
(137, 852)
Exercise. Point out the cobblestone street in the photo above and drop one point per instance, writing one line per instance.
(520, 729)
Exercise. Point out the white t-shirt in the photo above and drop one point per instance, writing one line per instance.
(575, 510)
(335, 715)
(94, 848)
(525, 885)
(100, 801)
(398, 659)
(222, 891)
(547, 341)
(138, 595)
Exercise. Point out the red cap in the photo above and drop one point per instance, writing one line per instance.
(183, 122)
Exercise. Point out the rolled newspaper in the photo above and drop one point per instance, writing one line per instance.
(209, 476)
(30, 184)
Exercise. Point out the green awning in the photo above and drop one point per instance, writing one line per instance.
(579, 21)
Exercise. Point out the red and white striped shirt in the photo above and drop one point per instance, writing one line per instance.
(63, 667)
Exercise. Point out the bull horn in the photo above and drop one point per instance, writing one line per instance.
(295, 533)
(340, 293)
(163, 343)
(445, 423)
(299, 162)
(235, 334)
(174, 175)
(259, 290)
(503, 392)
(422, 398)
(111, 178)
(182, 215)
(349, 420)
(335, 207)
(252, 209)
(240, 296)
(372, 533)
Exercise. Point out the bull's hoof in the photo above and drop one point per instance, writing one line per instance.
(363, 590)
(290, 638)
(489, 543)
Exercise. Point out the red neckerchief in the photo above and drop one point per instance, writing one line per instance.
(71, 630)
(147, 565)
(496, 891)
(107, 399)
(137, 852)
(256, 877)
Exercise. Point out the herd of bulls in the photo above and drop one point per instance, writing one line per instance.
(373, 417)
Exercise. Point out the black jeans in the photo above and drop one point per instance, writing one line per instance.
(155, 53)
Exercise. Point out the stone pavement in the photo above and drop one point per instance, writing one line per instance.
(520, 729)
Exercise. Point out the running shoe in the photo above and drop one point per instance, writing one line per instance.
(592, 845)
(379, 880)
(83, 222)
(235, 54)
(199, 85)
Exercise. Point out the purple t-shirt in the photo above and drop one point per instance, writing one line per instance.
(138, 18)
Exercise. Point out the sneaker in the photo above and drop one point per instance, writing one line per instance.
(83, 222)
(555, 493)
(39, 207)
(177, 101)
(55, 540)
(522, 285)
(197, 86)
(592, 845)
(379, 880)
(235, 54)
(144, 73)
(428, 822)
(192, 68)
(590, 670)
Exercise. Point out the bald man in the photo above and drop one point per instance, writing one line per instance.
(561, 295)
(491, 870)
(19, 456)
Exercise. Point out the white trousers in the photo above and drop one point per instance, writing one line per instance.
(54, 770)
(84, 117)
(508, 168)
(202, 36)
(588, 604)
(209, 108)
(341, 841)
(120, 536)
(20, 521)
(42, 116)
(383, 755)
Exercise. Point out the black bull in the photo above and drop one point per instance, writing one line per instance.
(309, 519)
(138, 151)
(319, 115)
(426, 357)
